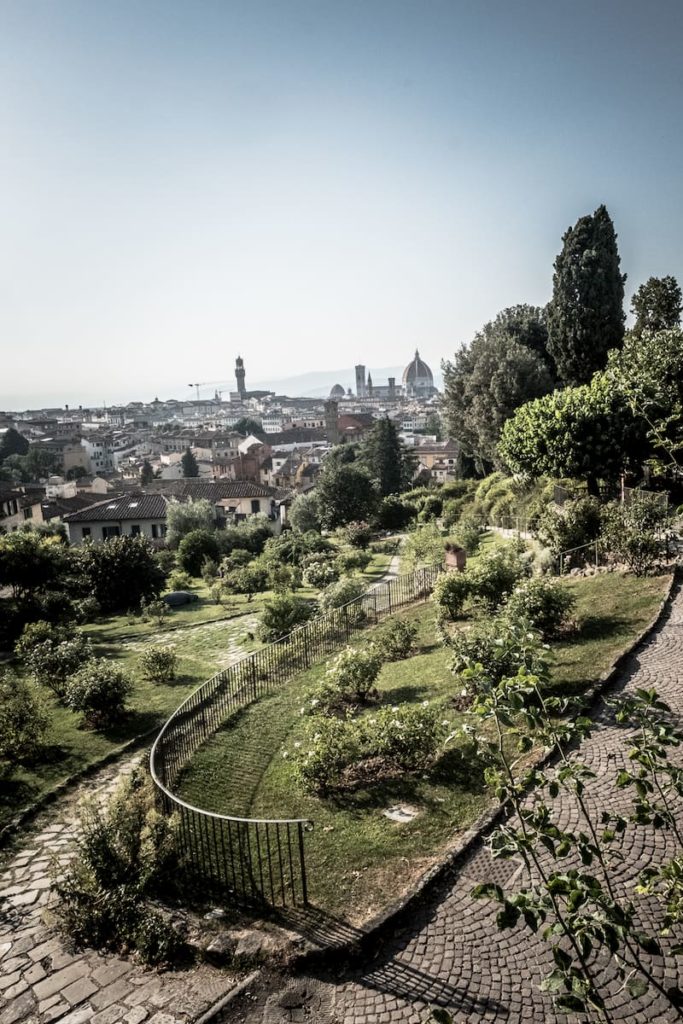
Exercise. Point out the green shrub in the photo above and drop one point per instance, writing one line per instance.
(179, 580)
(237, 559)
(120, 573)
(23, 722)
(357, 534)
(491, 651)
(165, 559)
(283, 578)
(320, 574)
(250, 579)
(195, 548)
(157, 610)
(87, 609)
(158, 664)
(396, 639)
(467, 533)
(209, 570)
(352, 561)
(394, 513)
(353, 672)
(52, 654)
(542, 604)
(340, 754)
(340, 593)
(636, 534)
(495, 574)
(432, 508)
(99, 690)
(451, 590)
(125, 855)
(578, 522)
(281, 615)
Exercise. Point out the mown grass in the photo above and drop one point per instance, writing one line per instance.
(206, 637)
(358, 860)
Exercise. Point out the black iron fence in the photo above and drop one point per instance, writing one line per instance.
(260, 860)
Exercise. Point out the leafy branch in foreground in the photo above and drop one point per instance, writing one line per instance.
(578, 909)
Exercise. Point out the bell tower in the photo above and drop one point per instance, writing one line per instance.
(239, 377)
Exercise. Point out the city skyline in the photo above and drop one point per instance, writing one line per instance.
(312, 185)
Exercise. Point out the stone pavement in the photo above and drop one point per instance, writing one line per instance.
(451, 954)
(41, 980)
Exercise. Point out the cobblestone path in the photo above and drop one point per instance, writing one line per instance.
(41, 980)
(452, 955)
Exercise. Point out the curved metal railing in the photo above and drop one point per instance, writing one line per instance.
(256, 860)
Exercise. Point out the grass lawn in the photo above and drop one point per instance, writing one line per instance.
(206, 637)
(358, 860)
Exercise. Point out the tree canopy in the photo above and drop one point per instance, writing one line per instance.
(183, 517)
(585, 314)
(386, 459)
(492, 377)
(246, 425)
(345, 493)
(657, 305)
(584, 432)
(189, 463)
(648, 374)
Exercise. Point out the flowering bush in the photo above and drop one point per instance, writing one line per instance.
(337, 754)
(353, 560)
(495, 574)
(467, 533)
(351, 675)
(396, 639)
(451, 590)
(23, 722)
(52, 654)
(320, 574)
(99, 690)
(542, 604)
(158, 664)
(487, 653)
(341, 593)
(357, 534)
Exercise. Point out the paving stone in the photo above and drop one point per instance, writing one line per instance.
(112, 1015)
(79, 991)
(60, 980)
(79, 1016)
(4, 949)
(136, 1015)
(111, 994)
(111, 971)
(19, 1009)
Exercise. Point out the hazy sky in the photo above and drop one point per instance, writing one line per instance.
(312, 183)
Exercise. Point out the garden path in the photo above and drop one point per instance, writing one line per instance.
(41, 979)
(450, 953)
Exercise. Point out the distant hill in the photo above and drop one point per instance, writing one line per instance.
(319, 383)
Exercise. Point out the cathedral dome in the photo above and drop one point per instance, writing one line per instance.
(418, 373)
(337, 391)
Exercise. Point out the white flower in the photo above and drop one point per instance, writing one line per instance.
(498, 642)
(463, 692)
(445, 722)
(395, 708)
(285, 753)
(546, 647)
(425, 703)
(530, 636)
(297, 744)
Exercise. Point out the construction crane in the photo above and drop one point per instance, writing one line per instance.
(205, 384)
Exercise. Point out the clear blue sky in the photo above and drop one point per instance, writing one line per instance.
(312, 183)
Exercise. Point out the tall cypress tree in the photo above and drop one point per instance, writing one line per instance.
(383, 457)
(586, 312)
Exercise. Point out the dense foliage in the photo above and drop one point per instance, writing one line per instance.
(99, 690)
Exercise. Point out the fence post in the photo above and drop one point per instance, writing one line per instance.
(374, 601)
(389, 594)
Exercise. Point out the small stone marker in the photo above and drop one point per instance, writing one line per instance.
(401, 813)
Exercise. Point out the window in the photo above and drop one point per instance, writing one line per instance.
(255, 506)
(28, 513)
(155, 532)
(86, 532)
(110, 531)
(135, 530)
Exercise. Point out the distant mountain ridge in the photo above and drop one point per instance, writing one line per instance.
(319, 383)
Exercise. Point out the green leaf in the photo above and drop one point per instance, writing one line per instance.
(562, 959)
(636, 986)
(440, 1016)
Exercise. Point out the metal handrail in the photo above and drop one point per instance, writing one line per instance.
(279, 874)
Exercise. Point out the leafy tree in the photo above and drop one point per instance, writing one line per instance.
(146, 473)
(76, 473)
(657, 305)
(184, 517)
(489, 379)
(37, 464)
(433, 426)
(383, 456)
(194, 548)
(12, 443)
(585, 314)
(249, 580)
(52, 654)
(189, 463)
(121, 572)
(246, 425)
(158, 664)
(29, 562)
(345, 493)
(648, 374)
(281, 615)
(584, 432)
(636, 533)
(345, 590)
(304, 515)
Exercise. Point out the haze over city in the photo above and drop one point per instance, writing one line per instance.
(311, 184)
